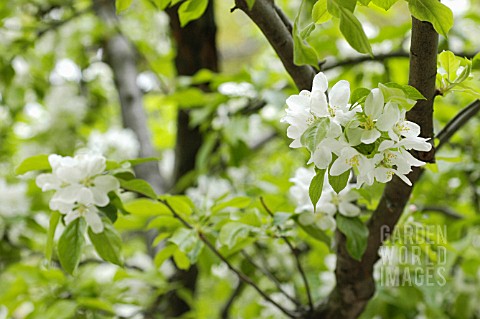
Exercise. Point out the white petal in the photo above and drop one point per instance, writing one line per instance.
(388, 118)
(411, 129)
(386, 145)
(318, 104)
(374, 103)
(322, 157)
(306, 219)
(69, 194)
(340, 94)
(404, 178)
(370, 136)
(62, 207)
(106, 183)
(93, 220)
(296, 144)
(383, 174)
(296, 102)
(326, 222)
(320, 82)
(348, 209)
(48, 182)
(71, 217)
(339, 166)
(335, 130)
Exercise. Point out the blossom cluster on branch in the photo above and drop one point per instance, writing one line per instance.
(367, 133)
(80, 187)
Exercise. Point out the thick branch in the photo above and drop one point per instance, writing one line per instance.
(355, 283)
(196, 50)
(273, 25)
(120, 55)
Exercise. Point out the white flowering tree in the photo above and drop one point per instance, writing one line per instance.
(139, 181)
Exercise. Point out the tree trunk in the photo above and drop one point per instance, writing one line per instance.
(121, 57)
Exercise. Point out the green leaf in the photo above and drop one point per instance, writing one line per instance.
(184, 238)
(138, 186)
(146, 207)
(359, 95)
(250, 4)
(181, 260)
(164, 254)
(162, 4)
(365, 2)
(122, 5)
(233, 232)
(279, 218)
(384, 4)
(334, 6)
(410, 92)
(96, 304)
(191, 10)
(312, 230)
(54, 219)
(476, 62)
(356, 233)
(438, 14)
(320, 13)
(181, 204)
(450, 64)
(237, 202)
(138, 161)
(108, 244)
(315, 133)
(34, 163)
(303, 53)
(353, 32)
(61, 309)
(339, 182)
(316, 186)
(70, 245)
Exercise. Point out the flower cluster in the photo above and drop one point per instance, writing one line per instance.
(329, 204)
(369, 135)
(79, 187)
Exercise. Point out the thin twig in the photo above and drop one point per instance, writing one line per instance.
(379, 58)
(295, 255)
(444, 210)
(269, 275)
(225, 314)
(457, 122)
(60, 23)
(237, 272)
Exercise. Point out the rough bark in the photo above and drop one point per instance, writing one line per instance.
(196, 50)
(355, 283)
(276, 28)
(121, 57)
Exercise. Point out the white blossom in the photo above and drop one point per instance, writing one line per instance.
(116, 143)
(79, 186)
(371, 137)
(13, 199)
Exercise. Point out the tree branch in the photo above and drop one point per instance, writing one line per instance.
(295, 255)
(355, 283)
(378, 58)
(237, 272)
(270, 276)
(457, 122)
(122, 60)
(275, 27)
